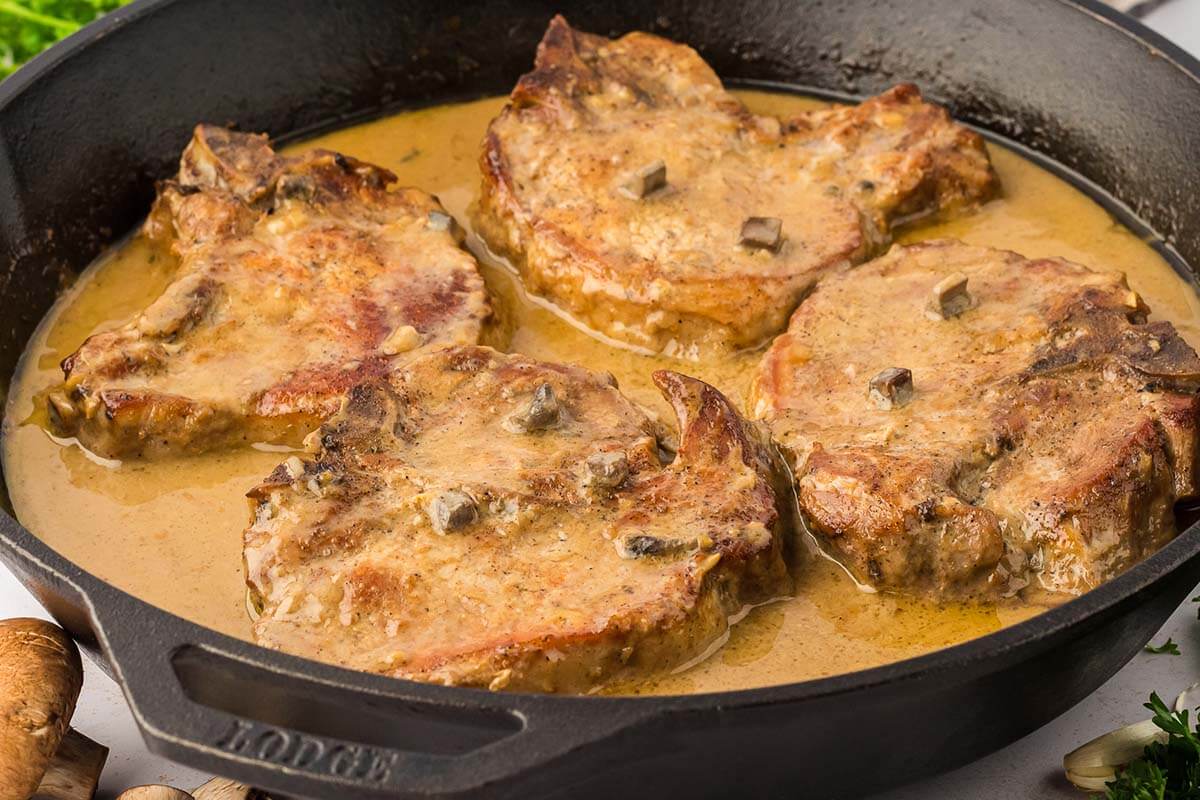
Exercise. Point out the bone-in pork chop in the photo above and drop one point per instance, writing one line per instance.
(475, 518)
(297, 277)
(967, 421)
(633, 191)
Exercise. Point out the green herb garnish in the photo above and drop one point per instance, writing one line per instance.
(1167, 770)
(1168, 647)
(27, 27)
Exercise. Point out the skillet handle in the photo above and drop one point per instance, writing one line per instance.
(303, 729)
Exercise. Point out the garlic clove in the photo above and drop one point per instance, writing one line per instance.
(1188, 699)
(1091, 784)
(1105, 755)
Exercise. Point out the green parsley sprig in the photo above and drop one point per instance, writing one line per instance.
(1167, 770)
(1169, 647)
(27, 27)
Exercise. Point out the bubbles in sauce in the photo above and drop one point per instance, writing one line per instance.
(170, 531)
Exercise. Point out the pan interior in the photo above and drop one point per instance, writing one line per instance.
(169, 532)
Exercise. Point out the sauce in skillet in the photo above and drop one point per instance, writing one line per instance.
(170, 531)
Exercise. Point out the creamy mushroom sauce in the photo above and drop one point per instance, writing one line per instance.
(170, 532)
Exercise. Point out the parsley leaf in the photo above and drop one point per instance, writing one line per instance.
(27, 27)
(1168, 647)
(1167, 770)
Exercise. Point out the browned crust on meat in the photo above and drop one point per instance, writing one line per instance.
(535, 592)
(296, 278)
(626, 268)
(1051, 431)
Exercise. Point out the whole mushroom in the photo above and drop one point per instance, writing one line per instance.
(40, 678)
(215, 789)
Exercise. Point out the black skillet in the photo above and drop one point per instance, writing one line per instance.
(87, 128)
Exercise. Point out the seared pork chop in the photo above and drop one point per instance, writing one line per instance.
(632, 190)
(966, 421)
(484, 519)
(297, 278)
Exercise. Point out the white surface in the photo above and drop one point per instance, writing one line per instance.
(1028, 768)
(1179, 21)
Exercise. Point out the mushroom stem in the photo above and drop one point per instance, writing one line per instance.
(75, 769)
(40, 679)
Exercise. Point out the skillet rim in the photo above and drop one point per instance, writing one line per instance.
(976, 654)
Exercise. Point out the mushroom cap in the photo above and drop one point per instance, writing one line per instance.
(154, 791)
(225, 789)
(40, 678)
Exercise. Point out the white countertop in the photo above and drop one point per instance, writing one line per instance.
(1029, 768)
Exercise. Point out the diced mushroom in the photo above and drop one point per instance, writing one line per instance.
(453, 510)
(42, 676)
(762, 233)
(296, 187)
(647, 180)
(154, 792)
(441, 221)
(607, 470)
(641, 545)
(74, 772)
(891, 388)
(949, 297)
(542, 412)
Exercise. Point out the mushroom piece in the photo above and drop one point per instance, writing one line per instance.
(156, 791)
(225, 789)
(74, 772)
(762, 233)
(542, 413)
(453, 510)
(295, 187)
(949, 297)
(646, 180)
(441, 221)
(891, 388)
(642, 545)
(607, 470)
(40, 679)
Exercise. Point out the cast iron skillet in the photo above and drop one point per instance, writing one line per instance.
(86, 129)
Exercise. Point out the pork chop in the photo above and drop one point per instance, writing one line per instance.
(297, 278)
(482, 519)
(965, 421)
(632, 190)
